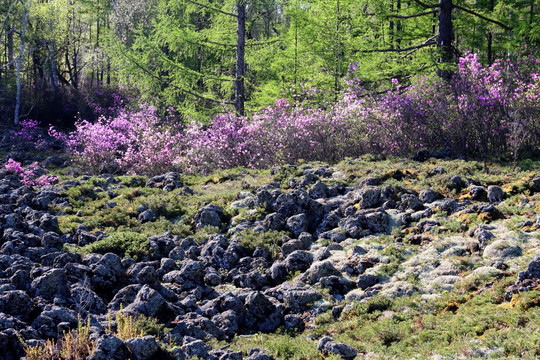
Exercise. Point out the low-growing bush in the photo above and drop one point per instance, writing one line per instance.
(127, 243)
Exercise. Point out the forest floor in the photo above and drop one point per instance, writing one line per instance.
(374, 258)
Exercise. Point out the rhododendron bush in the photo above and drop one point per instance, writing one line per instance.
(483, 111)
(28, 176)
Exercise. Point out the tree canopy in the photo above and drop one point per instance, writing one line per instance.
(60, 57)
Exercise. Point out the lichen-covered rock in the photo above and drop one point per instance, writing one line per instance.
(317, 271)
(501, 249)
(495, 194)
(143, 348)
(297, 224)
(298, 260)
(52, 283)
(328, 346)
(367, 197)
(150, 303)
(109, 347)
(209, 215)
(262, 314)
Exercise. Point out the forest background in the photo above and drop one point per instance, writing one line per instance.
(62, 58)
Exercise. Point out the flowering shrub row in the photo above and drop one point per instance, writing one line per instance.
(482, 111)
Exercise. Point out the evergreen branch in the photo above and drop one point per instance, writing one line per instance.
(426, 6)
(231, 45)
(504, 26)
(414, 15)
(428, 42)
(158, 78)
(211, 8)
(187, 70)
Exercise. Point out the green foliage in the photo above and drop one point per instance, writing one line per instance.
(130, 244)
(270, 240)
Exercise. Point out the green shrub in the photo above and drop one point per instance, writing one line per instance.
(127, 243)
(270, 240)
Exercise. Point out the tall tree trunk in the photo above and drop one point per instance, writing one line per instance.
(11, 57)
(52, 64)
(490, 37)
(444, 38)
(240, 57)
(391, 26)
(337, 53)
(26, 10)
(399, 26)
(296, 44)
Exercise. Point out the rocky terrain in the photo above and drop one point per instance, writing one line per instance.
(364, 258)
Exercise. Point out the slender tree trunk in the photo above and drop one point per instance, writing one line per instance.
(391, 26)
(490, 37)
(11, 57)
(337, 53)
(399, 26)
(240, 57)
(107, 20)
(26, 10)
(296, 44)
(444, 38)
(52, 64)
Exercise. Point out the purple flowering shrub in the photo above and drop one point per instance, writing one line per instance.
(132, 142)
(482, 111)
(28, 176)
(29, 134)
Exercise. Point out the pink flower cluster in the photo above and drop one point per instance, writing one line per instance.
(134, 142)
(482, 111)
(28, 176)
(29, 134)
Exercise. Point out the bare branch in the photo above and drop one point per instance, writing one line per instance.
(413, 15)
(426, 6)
(8, 12)
(504, 26)
(212, 8)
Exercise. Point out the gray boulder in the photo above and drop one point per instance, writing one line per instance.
(298, 260)
(328, 346)
(297, 224)
(367, 197)
(317, 271)
(262, 314)
(209, 215)
(143, 348)
(150, 303)
(495, 194)
(52, 283)
(378, 221)
(109, 347)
